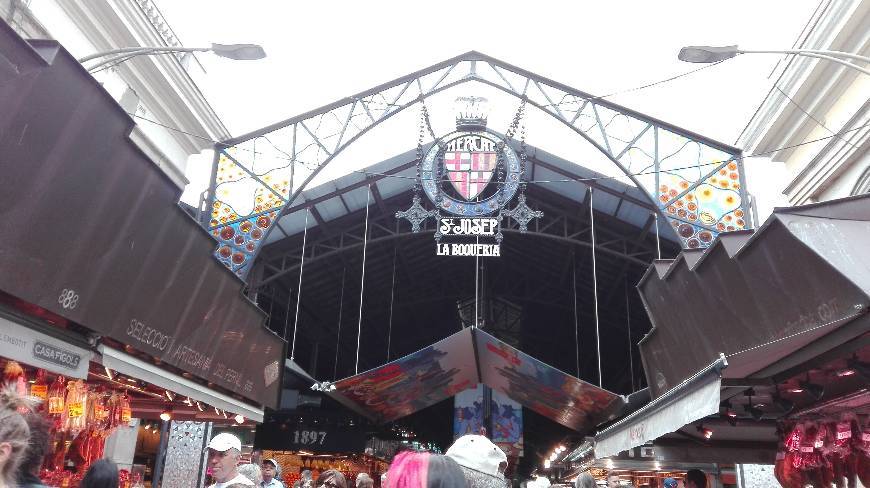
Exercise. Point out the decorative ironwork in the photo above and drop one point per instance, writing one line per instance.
(651, 153)
(522, 213)
(184, 454)
(460, 171)
(324, 386)
(416, 214)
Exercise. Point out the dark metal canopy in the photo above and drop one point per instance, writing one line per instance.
(93, 233)
(783, 309)
(759, 297)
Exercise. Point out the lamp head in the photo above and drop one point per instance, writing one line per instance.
(243, 52)
(707, 54)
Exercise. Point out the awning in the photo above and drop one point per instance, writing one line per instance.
(124, 363)
(758, 296)
(693, 399)
(108, 246)
(460, 362)
(42, 351)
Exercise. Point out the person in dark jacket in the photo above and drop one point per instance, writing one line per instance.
(102, 474)
(40, 434)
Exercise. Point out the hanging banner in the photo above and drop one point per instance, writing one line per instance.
(507, 424)
(42, 351)
(413, 382)
(451, 366)
(468, 412)
(556, 395)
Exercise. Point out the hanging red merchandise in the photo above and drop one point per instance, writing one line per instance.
(39, 389)
(13, 374)
(56, 396)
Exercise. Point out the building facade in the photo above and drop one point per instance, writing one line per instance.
(816, 117)
(173, 118)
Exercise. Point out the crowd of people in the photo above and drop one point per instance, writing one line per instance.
(695, 478)
(473, 461)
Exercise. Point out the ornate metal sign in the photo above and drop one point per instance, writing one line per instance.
(470, 174)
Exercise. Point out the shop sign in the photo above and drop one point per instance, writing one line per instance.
(39, 350)
(470, 176)
(311, 438)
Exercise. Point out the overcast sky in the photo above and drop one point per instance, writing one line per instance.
(319, 52)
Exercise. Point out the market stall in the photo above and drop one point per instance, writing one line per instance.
(294, 462)
(83, 414)
(782, 313)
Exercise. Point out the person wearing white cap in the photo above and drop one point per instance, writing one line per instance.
(271, 472)
(224, 452)
(482, 462)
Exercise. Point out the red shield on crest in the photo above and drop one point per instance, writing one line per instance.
(470, 172)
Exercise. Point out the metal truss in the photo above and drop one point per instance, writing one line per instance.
(696, 184)
(556, 224)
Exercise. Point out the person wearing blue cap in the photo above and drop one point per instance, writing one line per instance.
(669, 483)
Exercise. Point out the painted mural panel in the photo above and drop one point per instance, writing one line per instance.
(468, 412)
(507, 424)
(543, 388)
(414, 382)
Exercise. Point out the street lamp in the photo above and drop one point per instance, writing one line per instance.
(231, 51)
(714, 54)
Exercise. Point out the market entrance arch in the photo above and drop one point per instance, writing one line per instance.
(695, 183)
(358, 288)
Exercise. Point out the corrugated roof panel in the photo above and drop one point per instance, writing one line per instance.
(392, 186)
(356, 199)
(291, 224)
(331, 209)
(573, 190)
(633, 214)
(311, 193)
(605, 202)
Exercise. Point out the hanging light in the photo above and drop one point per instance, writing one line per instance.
(750, 408)
(815, 390)
(704, 431)
(860, 367)
(166, 415)
(547, 464)
(239, 419)
(784, 404)
(169, 395)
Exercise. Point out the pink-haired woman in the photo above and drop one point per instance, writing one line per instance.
(424, 470)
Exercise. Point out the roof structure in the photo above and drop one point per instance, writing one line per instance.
(534, 271)
(352, 287)
(697, 184)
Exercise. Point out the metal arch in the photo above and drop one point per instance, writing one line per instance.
(330, 129)
(561, 227)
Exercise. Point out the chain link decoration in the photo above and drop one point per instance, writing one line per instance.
(416, 214)
(522, 213)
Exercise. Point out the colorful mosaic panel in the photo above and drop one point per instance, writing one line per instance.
(698, 213)
(248, 200)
